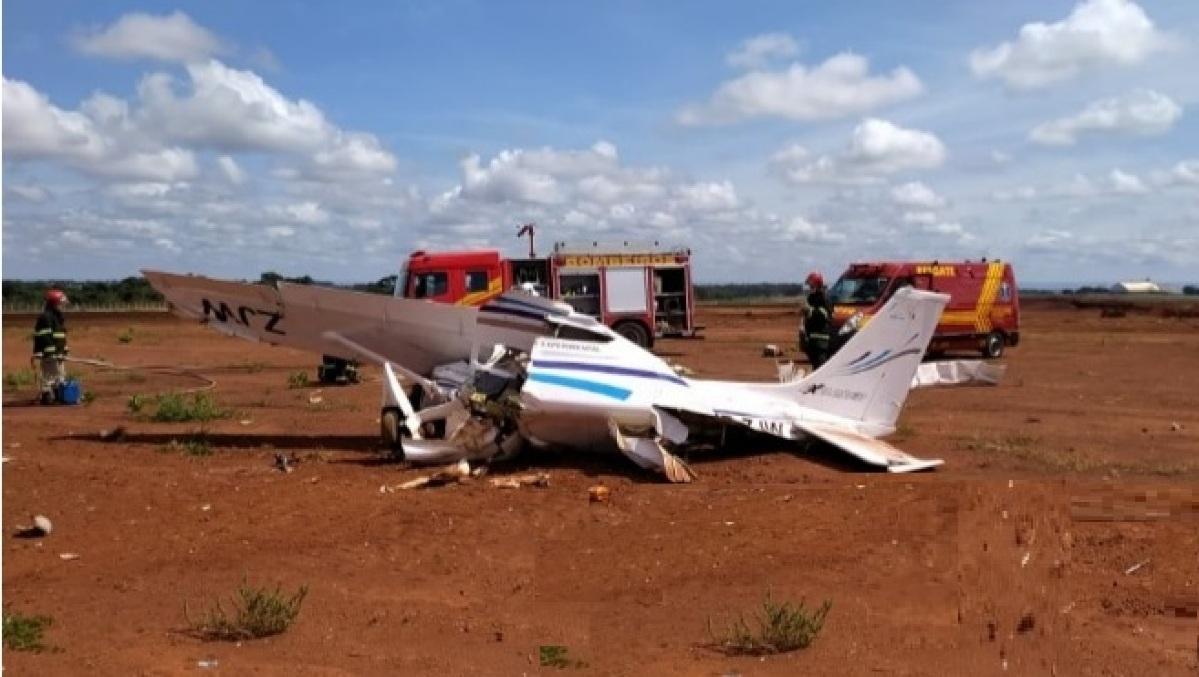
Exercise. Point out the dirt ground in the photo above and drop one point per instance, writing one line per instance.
(1018, 556)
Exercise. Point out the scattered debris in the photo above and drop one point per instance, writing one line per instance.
(68, 556)
(599, 494)
(206, 507)
(114, 435)
(789, 371)
(284, 463)
(208, 664)
(771, 350)
(541, 479)
(41, 527)
(1175, 426)
(1136, 567)
(682, 369)
(315, 397)
(246, 421)
(1024, 560)
(454, 472)
(1027, 622)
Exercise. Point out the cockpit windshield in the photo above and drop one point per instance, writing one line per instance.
(858, 290)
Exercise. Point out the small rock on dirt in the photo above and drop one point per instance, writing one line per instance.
(1027, 622)
(114, 435)
(771, 350)
(599, 494)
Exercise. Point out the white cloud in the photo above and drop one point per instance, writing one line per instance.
(1186, 171)
(916, 194)
(100, 139)
(759, 50)
(921, 218)
(708, 196)
(1127, 184)
(840, 86)
(1097, 33)
(1142, 112)
(173, 37)
(799, 229)
(507, 177)
(280, 231)
(27, 192)
(1117, 182)
(876, 148)
(224, 110)
(1049, 240)
(231, 170)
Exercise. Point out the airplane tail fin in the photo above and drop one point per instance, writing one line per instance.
(868, 380)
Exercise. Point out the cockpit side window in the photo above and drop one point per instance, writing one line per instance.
(572, 333)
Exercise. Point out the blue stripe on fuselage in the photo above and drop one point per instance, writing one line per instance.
(604, 389)
(608, 369)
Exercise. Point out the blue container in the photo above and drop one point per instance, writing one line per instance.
(70, 392)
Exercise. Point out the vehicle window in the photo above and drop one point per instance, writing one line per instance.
(428, 285)
(476, 280)
(566, 331)
(858, 290)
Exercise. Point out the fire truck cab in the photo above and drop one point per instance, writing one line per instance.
(983, 313)
(642, 293)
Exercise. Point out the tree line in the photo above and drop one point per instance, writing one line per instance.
(136, 291)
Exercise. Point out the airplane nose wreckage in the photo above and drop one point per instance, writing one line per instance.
(478, 383)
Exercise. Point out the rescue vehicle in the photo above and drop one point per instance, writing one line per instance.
(983, 312)
(641, 292)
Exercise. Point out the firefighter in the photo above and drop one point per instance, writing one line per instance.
(50, 343)
(816, 328)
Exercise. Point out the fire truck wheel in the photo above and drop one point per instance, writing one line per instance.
(393, 432)
(993, 345)
(634, 332)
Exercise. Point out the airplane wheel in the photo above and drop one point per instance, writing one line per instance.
(392, 432)
(634, 332)
(993, 346)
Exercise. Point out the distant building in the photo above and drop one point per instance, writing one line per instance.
(1137, 287)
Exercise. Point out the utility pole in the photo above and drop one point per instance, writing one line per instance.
(528, 229)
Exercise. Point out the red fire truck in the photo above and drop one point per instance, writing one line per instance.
(642, 293)
(983, 312)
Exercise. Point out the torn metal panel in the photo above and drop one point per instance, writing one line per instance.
(958, 372)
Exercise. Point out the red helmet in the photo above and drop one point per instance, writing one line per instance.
(815, 280)
(55, 297)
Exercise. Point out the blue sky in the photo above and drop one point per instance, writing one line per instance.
(231, 138)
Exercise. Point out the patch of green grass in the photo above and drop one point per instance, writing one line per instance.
(557, 656)
(254, 612)
(88, 397)
(178, 408)
(24, 633)
(18, 379)
(136, 403)
(777, 628)
(196, 446)
(297, 379)
(125, 336)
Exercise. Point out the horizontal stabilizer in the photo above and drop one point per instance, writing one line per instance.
(870, 450)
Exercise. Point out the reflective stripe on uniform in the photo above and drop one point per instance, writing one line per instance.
(59, 334)
(42, 332)
(49, 349)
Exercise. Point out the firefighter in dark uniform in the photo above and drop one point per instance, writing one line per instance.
(50, 343)
(816, 329)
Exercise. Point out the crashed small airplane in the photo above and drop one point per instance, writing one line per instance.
(478, 383)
